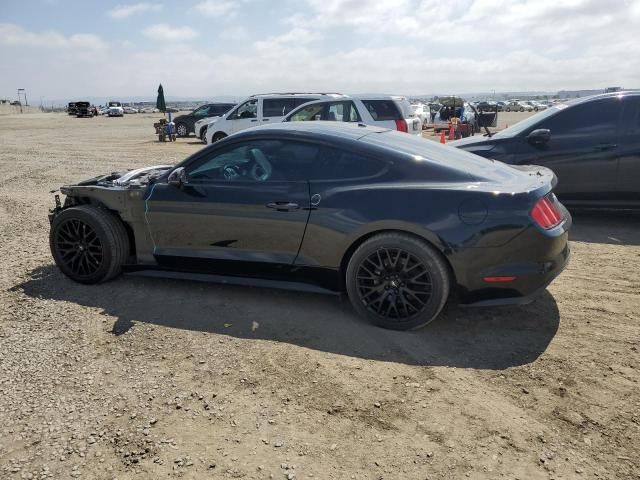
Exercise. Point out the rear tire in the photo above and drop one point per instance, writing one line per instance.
(89, 244)
(397, 281)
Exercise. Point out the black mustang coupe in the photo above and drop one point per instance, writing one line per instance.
(399, 223)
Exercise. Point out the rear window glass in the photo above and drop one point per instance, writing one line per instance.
(336, 164)
(382, 109)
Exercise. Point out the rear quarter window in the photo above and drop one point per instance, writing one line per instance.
(383, 109)
(335, 164)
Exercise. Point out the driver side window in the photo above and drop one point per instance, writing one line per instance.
(246, 110)
(256, 161)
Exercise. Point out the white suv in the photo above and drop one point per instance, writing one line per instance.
(259, 110)
(386, 111)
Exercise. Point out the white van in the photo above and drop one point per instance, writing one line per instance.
(259, 110)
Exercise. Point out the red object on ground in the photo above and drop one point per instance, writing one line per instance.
(442, 137)
(452, 133)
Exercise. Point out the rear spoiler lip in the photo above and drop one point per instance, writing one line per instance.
(538, 171)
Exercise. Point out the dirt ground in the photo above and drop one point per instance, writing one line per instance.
(154, 378)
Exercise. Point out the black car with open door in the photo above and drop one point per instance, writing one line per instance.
(592, 144)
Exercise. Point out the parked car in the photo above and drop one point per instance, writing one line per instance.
(454, 107)
(128, 109)
(85, 109)
(384, 111)
(115, 109)
(421, 111)
(185, 124)
(71, 108)
(592, 144)
(396, 221)
(258, 110)
(518, 106)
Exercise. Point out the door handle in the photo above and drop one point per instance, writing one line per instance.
(601, 147)
(283, 206)
(265, 119)
(254, 120)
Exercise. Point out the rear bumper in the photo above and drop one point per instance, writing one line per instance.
(530, 262)
(522, 292)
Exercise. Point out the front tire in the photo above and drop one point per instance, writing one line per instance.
(217, 137)
(203, 134)
(89, 244)
(182, 130)
(397, 281)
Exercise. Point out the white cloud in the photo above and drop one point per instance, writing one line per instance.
(162, 31)
(401, 46)
(124, 11)
(14, 35)
(297, 36)
(216, 8)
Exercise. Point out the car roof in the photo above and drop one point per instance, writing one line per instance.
(600, 96)
(378, 97)
(295, 94)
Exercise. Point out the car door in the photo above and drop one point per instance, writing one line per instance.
(628, 185)
(244, 116)
(337, 202)
(582, 149)
(247, 201)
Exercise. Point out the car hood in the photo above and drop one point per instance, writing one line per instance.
(475, 141)
(137, 178)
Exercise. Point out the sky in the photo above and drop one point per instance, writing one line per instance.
(207, 48)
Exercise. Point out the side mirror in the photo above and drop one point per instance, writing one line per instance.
(539, 136)
(178, 177)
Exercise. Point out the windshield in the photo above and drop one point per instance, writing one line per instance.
(523, 125)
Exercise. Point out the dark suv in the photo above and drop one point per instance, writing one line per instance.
(185, 123)
(592, 144)
(84, 109)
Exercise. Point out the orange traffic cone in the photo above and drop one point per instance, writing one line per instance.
(452, 133)
(442, 139)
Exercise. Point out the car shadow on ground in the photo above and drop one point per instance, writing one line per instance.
(483, 338)
(610, 227)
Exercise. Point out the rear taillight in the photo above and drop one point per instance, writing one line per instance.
(546, 212)
(401, 126)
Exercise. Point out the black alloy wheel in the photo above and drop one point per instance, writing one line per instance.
(393, 283)
(79, 247)
(88, 243)
(397, 281)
